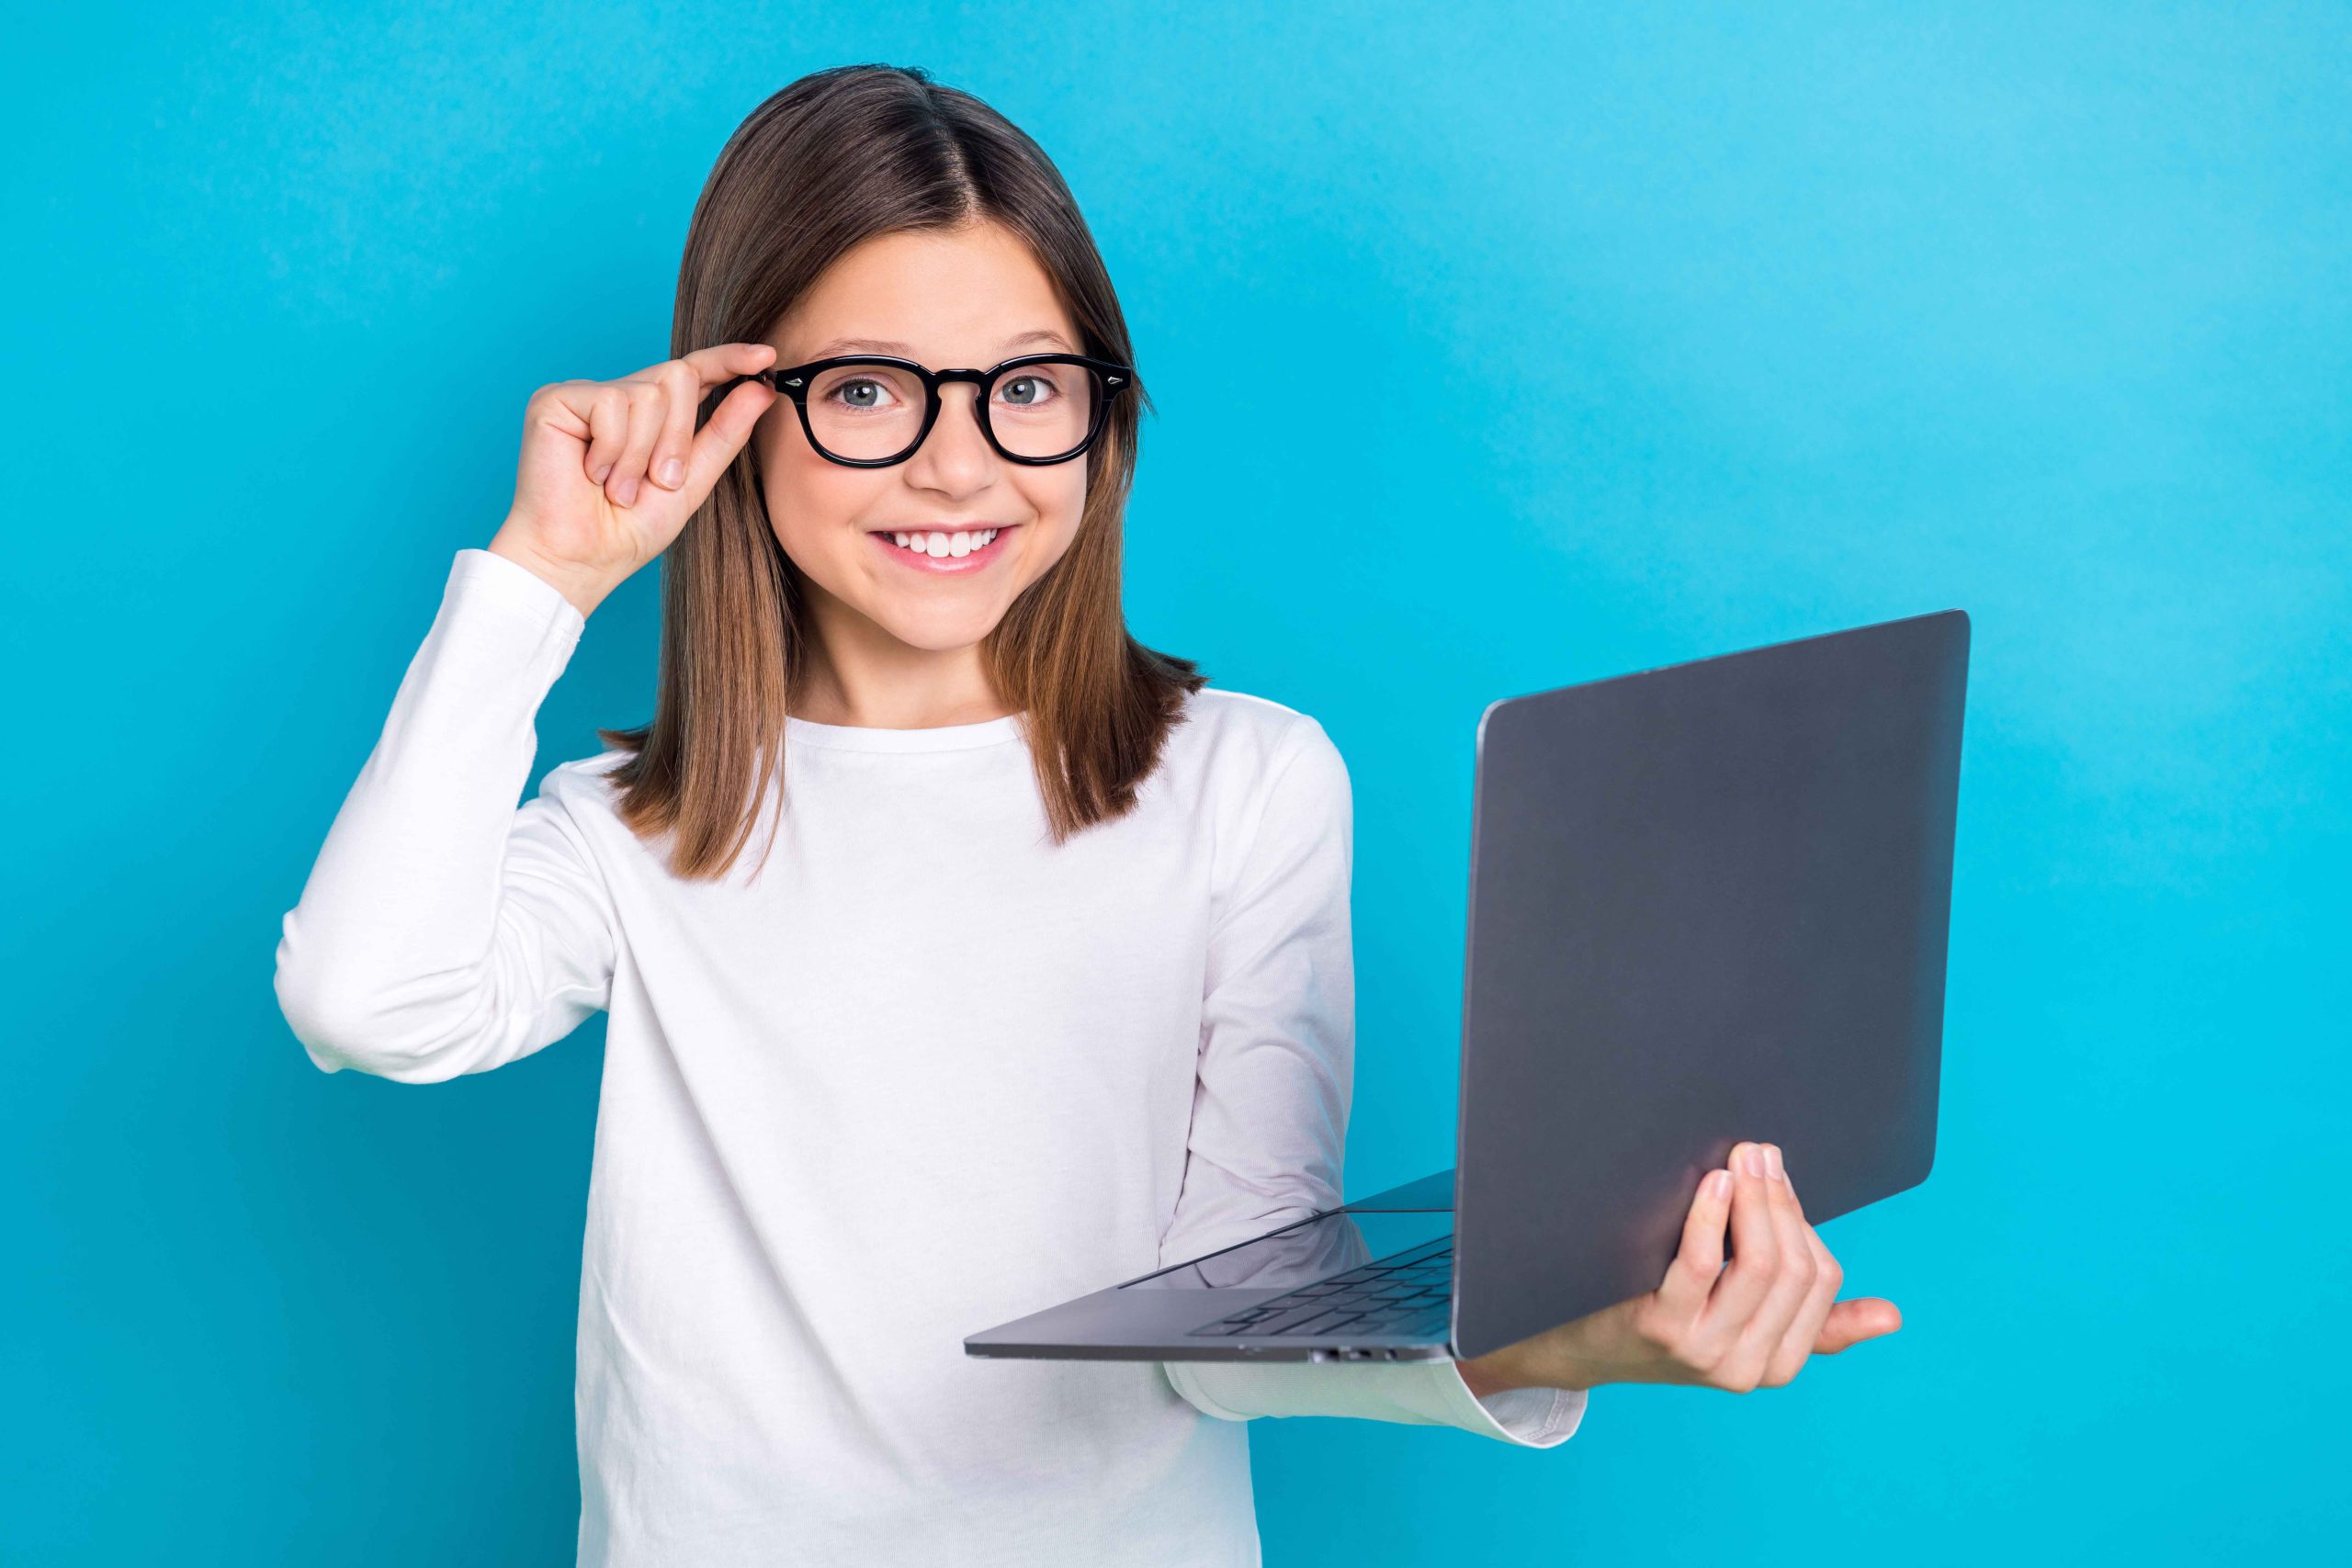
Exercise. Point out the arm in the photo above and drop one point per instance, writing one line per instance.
(1270, 1109)
(443, 930)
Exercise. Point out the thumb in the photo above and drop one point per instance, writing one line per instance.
(722, 435)
(1851, 1322)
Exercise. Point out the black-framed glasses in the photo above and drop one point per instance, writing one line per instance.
(869, 410)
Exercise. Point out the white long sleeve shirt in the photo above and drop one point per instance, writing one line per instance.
(923, 1073)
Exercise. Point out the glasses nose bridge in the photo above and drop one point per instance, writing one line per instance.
(942, 380)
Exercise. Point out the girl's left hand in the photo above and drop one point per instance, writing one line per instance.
(1751, 1323)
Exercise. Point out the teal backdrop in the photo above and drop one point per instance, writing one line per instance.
(1493, 349)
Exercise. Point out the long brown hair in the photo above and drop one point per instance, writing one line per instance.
(838, 157)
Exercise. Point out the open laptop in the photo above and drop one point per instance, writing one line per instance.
(1708, 902)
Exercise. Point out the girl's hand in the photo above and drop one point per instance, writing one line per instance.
(1751, 1325)
(611, 471)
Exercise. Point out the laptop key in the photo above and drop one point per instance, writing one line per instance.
(1282, 1322)
(1384, 1292)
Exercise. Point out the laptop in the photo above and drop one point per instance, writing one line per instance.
(1708, 902)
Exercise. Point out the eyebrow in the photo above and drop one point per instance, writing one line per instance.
(882, 345)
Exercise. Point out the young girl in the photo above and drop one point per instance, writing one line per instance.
(962, 955)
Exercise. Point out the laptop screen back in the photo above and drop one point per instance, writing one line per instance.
(1708, 903)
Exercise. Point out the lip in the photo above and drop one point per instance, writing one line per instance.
(943, 565)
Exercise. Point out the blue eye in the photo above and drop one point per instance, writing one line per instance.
(865, 383)
(1032, 399)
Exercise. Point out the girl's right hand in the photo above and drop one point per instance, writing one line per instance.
(611, 471)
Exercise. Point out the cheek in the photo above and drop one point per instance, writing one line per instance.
(1059, 498)
(810, 500)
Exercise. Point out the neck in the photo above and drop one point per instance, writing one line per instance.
(859, 675)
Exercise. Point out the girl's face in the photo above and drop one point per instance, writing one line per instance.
(970, 297)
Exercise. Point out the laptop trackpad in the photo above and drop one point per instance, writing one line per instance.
(1305, 1252)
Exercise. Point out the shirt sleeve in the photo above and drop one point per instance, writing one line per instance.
(445, 930)
(1270, 1109)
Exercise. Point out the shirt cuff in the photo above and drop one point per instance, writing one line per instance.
(1427, 1393)
(485, 576)
(1533, 1417)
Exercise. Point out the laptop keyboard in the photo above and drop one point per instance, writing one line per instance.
(1406, 1293)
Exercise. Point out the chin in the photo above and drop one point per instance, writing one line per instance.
(936, 633)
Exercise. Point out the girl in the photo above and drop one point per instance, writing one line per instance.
(962, 955)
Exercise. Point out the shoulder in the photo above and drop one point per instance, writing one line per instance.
(1274, 791)
(1239, 744)
(584, 786)
(583, 798)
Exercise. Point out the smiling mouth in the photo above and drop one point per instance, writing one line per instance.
(942, 543)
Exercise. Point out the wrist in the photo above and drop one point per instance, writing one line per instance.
(1481, 1378)
(584, 589)
(1497, 1371)
(1572, 1357)
(1484, 1376)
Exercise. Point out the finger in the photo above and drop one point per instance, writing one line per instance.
(724, 361)
(720, 368)
(604, 409)
(1793, 1282)
(730, 425)
(681, 392)
(1755, 1256)
(1851, 1322)
(1700, 1258)
(647, 408)
(1787, 1358)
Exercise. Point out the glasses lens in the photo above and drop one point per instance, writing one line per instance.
(1045, 409)
(865, 410)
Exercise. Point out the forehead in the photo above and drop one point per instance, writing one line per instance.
(967, 296)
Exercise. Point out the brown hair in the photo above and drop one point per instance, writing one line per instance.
(836, 158)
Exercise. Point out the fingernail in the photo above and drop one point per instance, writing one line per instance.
(673, 473)
(601, 474)
(1772, 1159)
(1719, 1184)
(1751, 1159)
(626, 492)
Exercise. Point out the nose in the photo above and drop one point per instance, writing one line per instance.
(955, 458)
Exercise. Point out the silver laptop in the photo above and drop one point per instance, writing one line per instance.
(1708, 902)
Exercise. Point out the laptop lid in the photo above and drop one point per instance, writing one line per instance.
(1708, 902)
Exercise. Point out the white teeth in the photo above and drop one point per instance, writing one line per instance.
(936, 544)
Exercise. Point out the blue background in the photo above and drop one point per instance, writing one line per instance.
(1493, 349)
